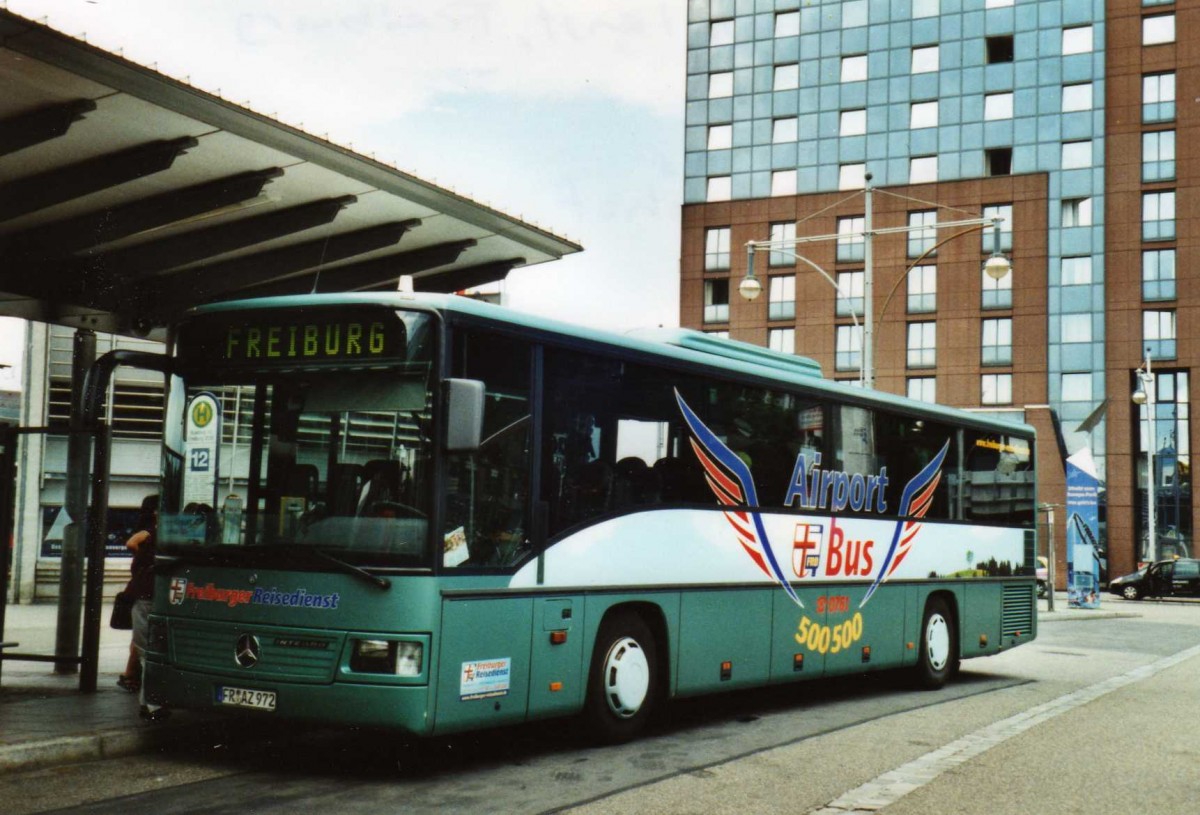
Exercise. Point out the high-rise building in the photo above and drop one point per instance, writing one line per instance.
(1059, 117)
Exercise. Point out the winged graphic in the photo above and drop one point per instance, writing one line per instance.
(914, 503)
(731, 481)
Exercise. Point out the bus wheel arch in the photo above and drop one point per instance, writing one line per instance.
(938, 649)
(626, 676)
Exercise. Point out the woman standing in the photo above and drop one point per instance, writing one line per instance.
(141, 588)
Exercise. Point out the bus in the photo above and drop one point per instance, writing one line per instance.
(431, 514)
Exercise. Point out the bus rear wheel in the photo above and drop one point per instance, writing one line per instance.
(938, 655)
(623, 680)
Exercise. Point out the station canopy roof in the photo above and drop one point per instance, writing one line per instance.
(127, 196)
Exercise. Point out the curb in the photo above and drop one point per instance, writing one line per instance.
(96, 746)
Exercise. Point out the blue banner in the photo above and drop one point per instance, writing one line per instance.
(1083, 531)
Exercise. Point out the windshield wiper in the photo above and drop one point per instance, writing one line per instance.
(381, 583)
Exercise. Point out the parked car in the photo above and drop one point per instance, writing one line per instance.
(1042, 572)
(1166, 578)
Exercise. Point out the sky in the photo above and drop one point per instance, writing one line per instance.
(566, 113)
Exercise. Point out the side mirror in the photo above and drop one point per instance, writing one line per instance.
(464, 414)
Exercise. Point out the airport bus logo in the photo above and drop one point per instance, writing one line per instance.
(731, 481)
(178, 591)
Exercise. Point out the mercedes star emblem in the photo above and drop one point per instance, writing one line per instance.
(247, 651)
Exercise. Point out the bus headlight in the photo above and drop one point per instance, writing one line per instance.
(398, 658)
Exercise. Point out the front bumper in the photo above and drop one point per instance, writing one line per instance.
(396, 707)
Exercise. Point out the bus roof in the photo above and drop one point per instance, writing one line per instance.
(687, 345)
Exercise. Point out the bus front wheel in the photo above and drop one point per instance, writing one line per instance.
(938, 654)
(623, 682)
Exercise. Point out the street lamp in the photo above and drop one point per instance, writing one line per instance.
(1144, 395)
(996, 267)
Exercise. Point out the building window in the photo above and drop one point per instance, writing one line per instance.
(1158, 274)
(1158, 333)
(1077, 387)
(851, 287)
(999, 49)
(995, 389)
(1076, 271)
(1076, 328)
(997, 341)
(787, 77)
(852, 123)
(850, 241)
(922, 345)
(1076, 154)
(848, 348)
(1158, 97)
(783, 232)
(923, 388)
(923, 239)
(923, 114)
(785, 130)
(716, 248)
(781, 298)
(997, 3)
(925, 59)
(1077, 97)
(787, 24)
(720, 33)
(782, 340)
(1158, 155)
(720, 137)
(1077, 40)
(720, 188)
(922, 290)
(720, 85)
(925, 8)
(852, 176)
(998, 106)
(783, 182)
(716, 301)
(998, 160)
(1076, 212)
(1158, 29)
(997, 293)
(1004, 212)
(922, 169)
(854, 13)
(724, 334)
(854, 69)
(1158, 216)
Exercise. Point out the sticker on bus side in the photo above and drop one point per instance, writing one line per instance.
(484, 679)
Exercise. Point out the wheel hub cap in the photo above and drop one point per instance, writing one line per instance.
(626, 677)
(937, 642)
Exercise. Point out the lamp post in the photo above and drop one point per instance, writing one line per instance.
(996, 267)
(1144, 395)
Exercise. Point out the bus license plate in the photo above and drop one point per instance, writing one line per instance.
(243, 697)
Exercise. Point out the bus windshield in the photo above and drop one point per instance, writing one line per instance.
(330, 461)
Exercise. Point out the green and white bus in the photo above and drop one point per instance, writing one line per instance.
(427, 513)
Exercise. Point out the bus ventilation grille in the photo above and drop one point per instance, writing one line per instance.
(1017, 612)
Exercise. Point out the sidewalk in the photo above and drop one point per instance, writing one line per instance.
(45, 720)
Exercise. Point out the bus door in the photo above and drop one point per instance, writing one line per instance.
(490, 531)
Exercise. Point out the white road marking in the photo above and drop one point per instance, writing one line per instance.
(889, 787)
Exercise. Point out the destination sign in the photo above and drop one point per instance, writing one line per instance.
(283, 339)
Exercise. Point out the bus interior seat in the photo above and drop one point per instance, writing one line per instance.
(381, 482)
(345, 484)
(592, 489)
(302, 480)
(634, 483)
(681, 482)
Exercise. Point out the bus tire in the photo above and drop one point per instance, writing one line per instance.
(623, 679)
(938, 653)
